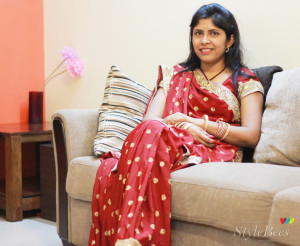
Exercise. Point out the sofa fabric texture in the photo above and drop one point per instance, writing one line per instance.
(279, 142)
(286, 204)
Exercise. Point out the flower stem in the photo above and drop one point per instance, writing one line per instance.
(50, 76)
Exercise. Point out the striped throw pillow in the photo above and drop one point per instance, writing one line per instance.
(122, 109)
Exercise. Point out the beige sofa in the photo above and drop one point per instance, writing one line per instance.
(212, 203)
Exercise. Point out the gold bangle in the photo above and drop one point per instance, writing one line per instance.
(205, 117)
(227, 131)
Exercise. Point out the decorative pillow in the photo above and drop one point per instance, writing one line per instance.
(279, 142)
(122, 109)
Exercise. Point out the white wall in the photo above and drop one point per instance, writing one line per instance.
(137, 35)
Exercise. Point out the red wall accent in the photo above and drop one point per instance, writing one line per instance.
(21, 65)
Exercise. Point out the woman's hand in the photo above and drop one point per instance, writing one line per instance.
(176, 118)
(200, 136)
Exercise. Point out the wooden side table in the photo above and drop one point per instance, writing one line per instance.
(17, 198)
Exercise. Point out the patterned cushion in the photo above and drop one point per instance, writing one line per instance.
(122, 108)
(279, 142)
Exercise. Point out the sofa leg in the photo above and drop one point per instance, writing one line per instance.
(66, 243)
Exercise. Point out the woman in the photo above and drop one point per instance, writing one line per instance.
(202, 110)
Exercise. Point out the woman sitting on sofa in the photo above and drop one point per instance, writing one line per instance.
(203, 110)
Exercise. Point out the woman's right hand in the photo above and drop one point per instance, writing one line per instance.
(175, 118)
(200, 136)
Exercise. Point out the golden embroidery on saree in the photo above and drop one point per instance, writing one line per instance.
(250, 87)
(167, 72)
(222, 92)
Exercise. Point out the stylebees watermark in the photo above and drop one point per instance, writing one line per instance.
(266, 231)
(287, 220)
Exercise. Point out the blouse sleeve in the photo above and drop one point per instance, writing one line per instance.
(248, 87)
(165, 74)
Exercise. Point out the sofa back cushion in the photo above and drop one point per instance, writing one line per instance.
(122, 109)
(279, 142)
(265, 75)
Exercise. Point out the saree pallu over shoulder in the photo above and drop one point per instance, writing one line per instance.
(222, 92)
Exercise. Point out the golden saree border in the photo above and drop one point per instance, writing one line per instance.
(222, 92)
(128, 242)
(249, 87)
(239, 155)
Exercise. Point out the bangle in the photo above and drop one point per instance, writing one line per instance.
(205, 117)
(227, 131)
(222, 127)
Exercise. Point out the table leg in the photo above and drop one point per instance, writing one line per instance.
(13, 178)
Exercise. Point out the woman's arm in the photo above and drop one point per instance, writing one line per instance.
(246, 135)
(157, 106)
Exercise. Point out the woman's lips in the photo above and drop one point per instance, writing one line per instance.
(205, 51)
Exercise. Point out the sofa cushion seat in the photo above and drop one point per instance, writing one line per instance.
(230, 196)
(286, 205)
(81, 177)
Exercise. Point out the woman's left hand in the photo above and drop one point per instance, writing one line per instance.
(200, 136)
(175, 118)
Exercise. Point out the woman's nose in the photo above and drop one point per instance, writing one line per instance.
(205, 39)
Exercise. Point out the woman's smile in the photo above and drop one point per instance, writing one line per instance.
(206, 51)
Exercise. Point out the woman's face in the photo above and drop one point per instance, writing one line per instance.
(210, 43)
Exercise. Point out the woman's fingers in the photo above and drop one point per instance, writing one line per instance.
(174, 118)
(200, 136)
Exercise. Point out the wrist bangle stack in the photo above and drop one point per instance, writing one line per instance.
(227, 131)
(205, 117)
(223, 130)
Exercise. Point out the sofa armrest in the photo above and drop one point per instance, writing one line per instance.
(73, 135)
(80, 129)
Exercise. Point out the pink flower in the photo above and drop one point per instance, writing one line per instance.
(68, 53)
(75, 67)
(70, 59)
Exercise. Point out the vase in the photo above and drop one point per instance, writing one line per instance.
(35, 107)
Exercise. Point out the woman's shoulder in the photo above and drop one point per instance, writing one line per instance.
(248, 82)
(167, 71)
(245, 74)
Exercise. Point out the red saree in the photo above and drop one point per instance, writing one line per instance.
(132, 192)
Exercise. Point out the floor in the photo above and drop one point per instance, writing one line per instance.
(33, 231)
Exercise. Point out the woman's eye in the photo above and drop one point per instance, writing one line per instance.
(214, 33)
(197, 33)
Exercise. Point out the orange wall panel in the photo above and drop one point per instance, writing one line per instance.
(22, 56)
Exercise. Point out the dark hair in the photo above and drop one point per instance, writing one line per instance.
(224, 20)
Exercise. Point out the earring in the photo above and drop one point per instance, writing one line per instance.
(227, 49)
